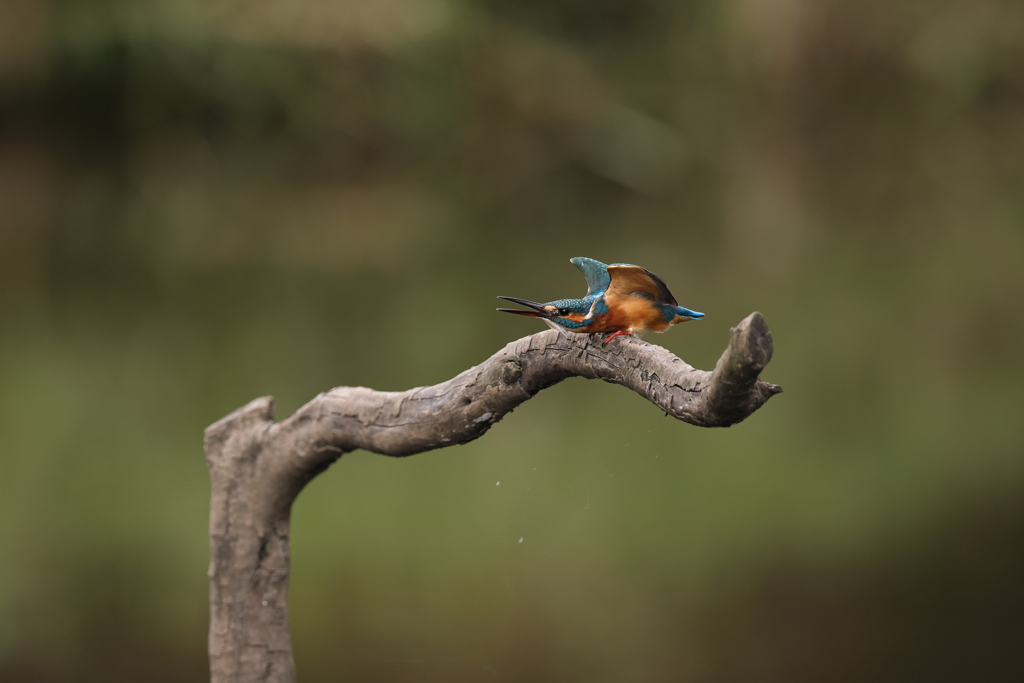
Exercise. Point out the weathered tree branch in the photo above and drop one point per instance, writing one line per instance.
(257, 467)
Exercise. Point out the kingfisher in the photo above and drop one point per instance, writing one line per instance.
(620, 299)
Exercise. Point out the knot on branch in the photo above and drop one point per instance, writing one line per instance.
(511, 371)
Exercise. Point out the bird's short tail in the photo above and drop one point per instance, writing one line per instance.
(688, 314)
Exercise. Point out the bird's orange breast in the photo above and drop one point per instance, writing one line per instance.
(629, 312)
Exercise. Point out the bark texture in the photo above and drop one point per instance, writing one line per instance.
(257, 466)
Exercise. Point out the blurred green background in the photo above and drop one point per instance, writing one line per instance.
(206, 202)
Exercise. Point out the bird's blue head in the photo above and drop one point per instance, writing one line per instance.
(565, 313)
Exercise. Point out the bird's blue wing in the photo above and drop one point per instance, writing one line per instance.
(596, 273)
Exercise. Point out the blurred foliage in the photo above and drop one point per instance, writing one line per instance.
(204, 202)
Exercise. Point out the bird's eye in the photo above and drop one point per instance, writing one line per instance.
(563, 311)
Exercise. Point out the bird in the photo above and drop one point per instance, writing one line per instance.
(621, 299)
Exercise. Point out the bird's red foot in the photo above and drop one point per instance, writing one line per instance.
(613, 335)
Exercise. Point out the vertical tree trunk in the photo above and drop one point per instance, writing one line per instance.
(250, 556)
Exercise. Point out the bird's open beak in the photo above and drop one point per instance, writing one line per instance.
(538, 309)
